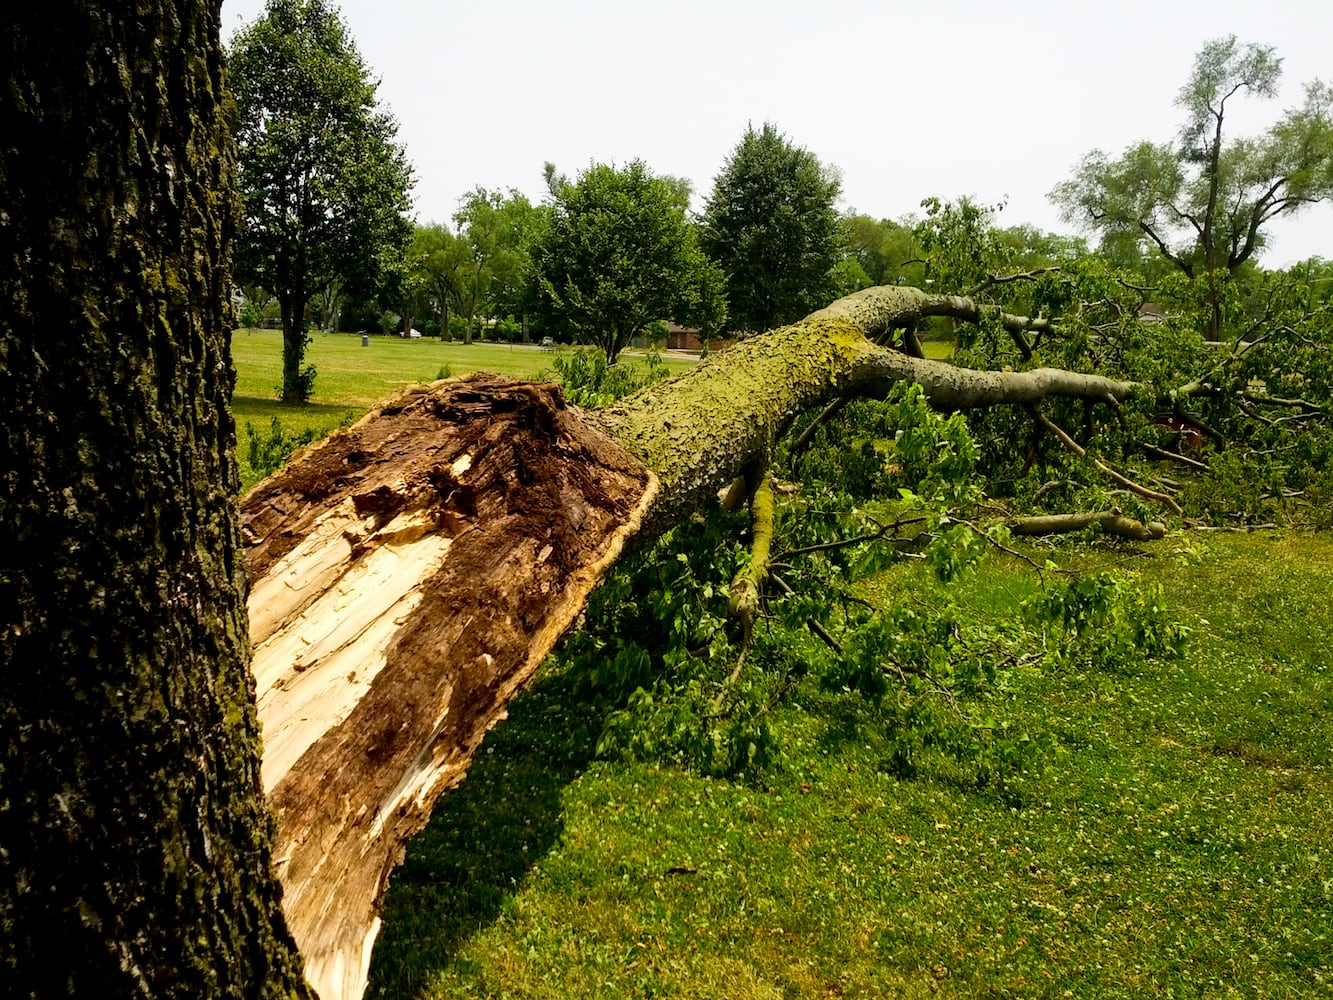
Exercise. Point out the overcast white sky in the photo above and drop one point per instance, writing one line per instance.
(998, 100)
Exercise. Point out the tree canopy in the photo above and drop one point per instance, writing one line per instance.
(323, 183)
(496, 229)
(772, 225)
(1203, 200)
(616, 253)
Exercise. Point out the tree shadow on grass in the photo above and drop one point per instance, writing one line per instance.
(463, 869)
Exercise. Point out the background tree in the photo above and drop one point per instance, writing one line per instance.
(324, 185)
(520, 223)
(771, 224)
(887, 251)
(440, 260)
(136, 846)
(496, 229)
(1202, 202)
(616, 254)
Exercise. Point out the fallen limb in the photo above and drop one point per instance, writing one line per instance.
(813, 624)
(410, 572)
(1156, 452)
(842, 543)
(1108, 521)
(802, 440)
(745, 588)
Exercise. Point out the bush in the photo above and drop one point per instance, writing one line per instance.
(266, 453)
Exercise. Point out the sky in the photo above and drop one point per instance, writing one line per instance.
(995, 100)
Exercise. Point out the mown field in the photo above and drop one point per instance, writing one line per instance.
(352, 378)
(1172, 837)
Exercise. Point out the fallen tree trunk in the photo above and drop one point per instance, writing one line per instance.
(410, 572)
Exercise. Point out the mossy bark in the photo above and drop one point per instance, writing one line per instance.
(701, 430)
(134, 842)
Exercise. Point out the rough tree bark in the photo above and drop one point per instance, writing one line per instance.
(410, 572)
(134, 841)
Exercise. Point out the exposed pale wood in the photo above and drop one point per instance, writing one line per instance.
(408, 576)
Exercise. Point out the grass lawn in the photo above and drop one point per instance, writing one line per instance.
(352, 378)
(1176, 842)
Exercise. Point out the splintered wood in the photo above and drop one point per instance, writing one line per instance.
(407, 576)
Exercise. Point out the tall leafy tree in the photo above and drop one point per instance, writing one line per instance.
(1203, 201)
(491, 227)
(519, 223)
(324, 184)
(772, 225)
(136, 857)
(440, 261)
(887, 251)
(617, 254)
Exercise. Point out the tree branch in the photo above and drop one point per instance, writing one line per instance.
(1258, 215)
(812, 623)
(1165, 251)
(1156, 452)
(745, 588)
(1123, 480)
(1109, 521)
(843, 543)
(802, 440)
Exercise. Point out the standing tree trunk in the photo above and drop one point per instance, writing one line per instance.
(134, 843)
(295, 336)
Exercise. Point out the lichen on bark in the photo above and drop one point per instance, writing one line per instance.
(700, 430)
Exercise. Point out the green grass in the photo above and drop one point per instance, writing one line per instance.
(352, 378)
(1178, 842)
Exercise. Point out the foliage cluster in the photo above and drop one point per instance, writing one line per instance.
(1236, 430)
(588, 379)
(680, 683)
(1202, 201)
(266, 453)
(772, 224)
(617, 253)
